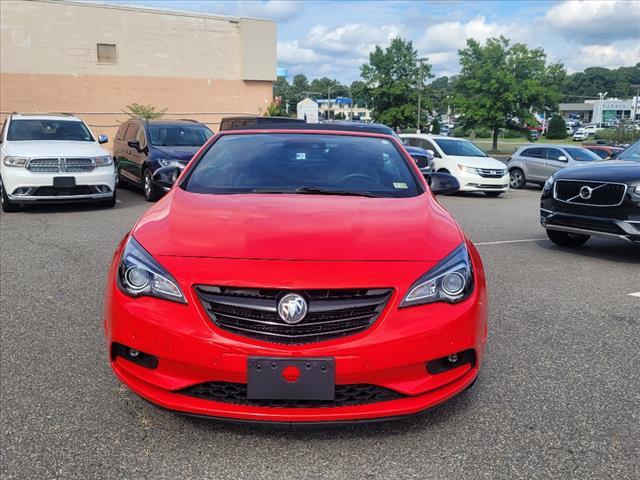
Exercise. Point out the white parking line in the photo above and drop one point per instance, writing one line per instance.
(637, 294)
(510, 241)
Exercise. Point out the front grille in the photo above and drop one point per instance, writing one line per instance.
(253, 313)
(491, 173)
(600, 194)
(62, 191)
(587, 224)
(345, 395)
(59, 165)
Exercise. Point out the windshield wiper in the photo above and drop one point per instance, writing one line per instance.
(319, 191)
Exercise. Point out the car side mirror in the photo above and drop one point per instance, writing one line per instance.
(431, 153)
(103, 139)
(562, 158)
(165, 177)
(134, 144)
(442, 183)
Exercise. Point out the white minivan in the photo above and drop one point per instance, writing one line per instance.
(475, 170)
(53, 158)
(584, 132)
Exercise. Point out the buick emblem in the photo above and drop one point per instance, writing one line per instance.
(585, 192)
(292, 308)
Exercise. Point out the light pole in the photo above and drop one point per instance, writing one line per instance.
(420, 61)
(635, 103)
(602, 97)
(329, 100)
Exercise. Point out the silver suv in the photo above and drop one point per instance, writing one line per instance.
(535, 164)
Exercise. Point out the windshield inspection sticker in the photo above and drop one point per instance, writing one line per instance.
(399, 185)
(301, 156)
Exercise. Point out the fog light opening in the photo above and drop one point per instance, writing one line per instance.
(133, 355)
(453, 360)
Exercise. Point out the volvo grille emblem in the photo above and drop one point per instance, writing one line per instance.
(585, 192)
(292, 308)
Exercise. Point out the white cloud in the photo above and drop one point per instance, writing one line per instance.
(610, 56)
(445, 36)
(596, 22)
(290, 53)
(279, 10)
(354, 38)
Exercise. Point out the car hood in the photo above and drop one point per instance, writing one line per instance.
(54, 148)
(606, 171)
(479, 162)
(183, 154)
(298, 227)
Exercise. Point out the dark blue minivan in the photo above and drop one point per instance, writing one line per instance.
(143, 146)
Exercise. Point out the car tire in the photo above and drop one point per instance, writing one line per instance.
(493, 194)
(443, 170)
(517, 179)
(566, 239)
(151, 193)
(120, 181)
(7, 205)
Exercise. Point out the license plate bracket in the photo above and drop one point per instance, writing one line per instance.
(290, 378)
(64, 182)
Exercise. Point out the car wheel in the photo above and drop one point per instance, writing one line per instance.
(566, 239)
(443, 170)
(7, 205)
(493, 194)
(120, 181)
(516, 178)
(150, 191)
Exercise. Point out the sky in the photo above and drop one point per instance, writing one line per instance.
(334, 38)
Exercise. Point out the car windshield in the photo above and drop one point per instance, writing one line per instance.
(631, 154)
(69, 130)
(582, 154)
(179, 135)
(459, 148)
(304, 164)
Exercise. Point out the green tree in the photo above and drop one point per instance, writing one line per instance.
(323, 86)
(435, 126)
(557, 128)
(282, 89)
(146, 112)
(619, 82)
(501, 85)
(359, 92)
(392, 78)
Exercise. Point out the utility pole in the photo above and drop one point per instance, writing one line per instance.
(635, 103)
(602, 97)
(420, 60)
(329, 100)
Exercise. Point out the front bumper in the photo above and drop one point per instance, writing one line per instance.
(588, 225)
(39, 186)
(391, 354)
(477, 183)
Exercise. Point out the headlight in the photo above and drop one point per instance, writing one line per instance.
(16, 161)
(140, 275)
(472, 170)
(548, 185)
(637, 190)
(102, 161)
(167, 162)
(449, 281)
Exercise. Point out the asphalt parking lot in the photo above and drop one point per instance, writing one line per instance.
(558, 396)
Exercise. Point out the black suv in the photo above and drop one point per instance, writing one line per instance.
(143, 146)
(598, 199)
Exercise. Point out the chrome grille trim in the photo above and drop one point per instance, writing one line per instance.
(615, 195)
(61, 165)
(492, 172)
(331, 313)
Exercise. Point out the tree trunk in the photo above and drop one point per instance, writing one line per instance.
(494, 146)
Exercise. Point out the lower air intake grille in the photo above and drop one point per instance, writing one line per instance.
(345, 395)
(253, 312)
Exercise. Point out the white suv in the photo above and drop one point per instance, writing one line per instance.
(53, 158)
(475, 170)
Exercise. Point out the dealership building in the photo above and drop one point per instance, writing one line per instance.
(95, 59)
(602, 111)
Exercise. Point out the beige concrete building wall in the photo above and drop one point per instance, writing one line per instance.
(196, 66)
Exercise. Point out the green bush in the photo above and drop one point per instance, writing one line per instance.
(435, 126)
(621, 134)
(483, 133)
(557, 128)
(460, 132)
(512, 134)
